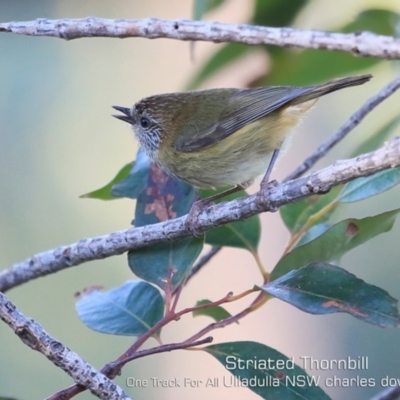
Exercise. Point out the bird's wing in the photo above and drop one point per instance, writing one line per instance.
(243, 108)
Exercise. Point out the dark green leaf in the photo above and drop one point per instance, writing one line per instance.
(168, 259)
(276, 13)
(335, 242)
(267, 13)
(104, 193)
(368, 186)
(242, 234)
(164, 198)
(131, 309)
(320, 288)
(201, 7)
(376, 140)
(295, 215)
(379, 21)
(217, 313)
(313, 66)
(313, 233)
(265, 371)
(226, 55)
(136, 182)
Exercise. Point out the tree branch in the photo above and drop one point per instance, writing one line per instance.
(364, 44)
(33, 335)
(100, 247)
(203, 261)
(391, 393)
(348, 126)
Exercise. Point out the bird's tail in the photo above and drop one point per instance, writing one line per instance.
(331, 86)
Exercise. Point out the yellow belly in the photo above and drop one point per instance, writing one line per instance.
(238, 158)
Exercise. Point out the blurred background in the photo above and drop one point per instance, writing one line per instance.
(58, 141)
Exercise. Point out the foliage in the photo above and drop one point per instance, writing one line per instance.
(307, 276)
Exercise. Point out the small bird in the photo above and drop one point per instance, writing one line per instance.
(223, 137)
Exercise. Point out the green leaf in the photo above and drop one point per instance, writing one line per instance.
(313, 233)
(159, 263)
(136, 182)
(242, 234)
(295, 215)
(276, 12)
(318, 66)
(335, 242)
(226, 55)
(320, 288)
(368, 186)
(104, 193)
(202, 7)
(313, 66)
(131, 309)
(267, 13)
(379, 21)
(164, 198)
(375, 141)
(265, 371)
(217, 313)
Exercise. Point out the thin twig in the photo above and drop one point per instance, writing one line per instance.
(163, 349)
(34, 336)
(100, 247)
(112, 369)
(365, 44)
(349, 125)
(392, 393)
(203, 261)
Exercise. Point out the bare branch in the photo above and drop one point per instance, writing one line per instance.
(162, 349)
(203, 261)
(349, 125)
(391, 393)
(115, 243)
(365, 44)
(33, 335)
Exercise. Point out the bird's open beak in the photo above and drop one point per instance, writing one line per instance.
(127, 114)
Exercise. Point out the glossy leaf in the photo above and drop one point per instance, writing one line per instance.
(136, 182)
(313, 233)
(104, 193)
(377, 140)
(243, 234)
(201, 7)
(368, 186)
(336, 241)
(166, 261)
(295, 215)
(164, 198)
(265, 371)
(217, 313)
(320, 288)
(131, 309)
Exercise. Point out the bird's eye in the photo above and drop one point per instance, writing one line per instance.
(144, 122)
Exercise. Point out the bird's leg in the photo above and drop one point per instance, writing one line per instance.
(266, 185)
(200, 204)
